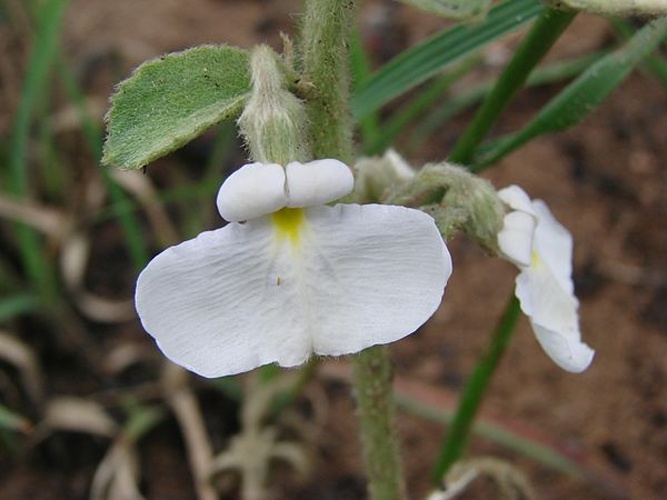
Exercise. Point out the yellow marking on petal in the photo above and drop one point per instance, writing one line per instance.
(535, 259)
(288, 223)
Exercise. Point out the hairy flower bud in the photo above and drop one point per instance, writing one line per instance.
(274, 121)
(378, 175)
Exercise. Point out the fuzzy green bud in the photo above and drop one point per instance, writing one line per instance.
(274, 121)
(641, 8)
(479, 201)
(376, 176)
(457, 200)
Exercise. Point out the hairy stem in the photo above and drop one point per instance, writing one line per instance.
(372, 377)
(326, 35)
(326, 38)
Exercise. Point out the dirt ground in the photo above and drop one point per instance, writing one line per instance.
(604, 180)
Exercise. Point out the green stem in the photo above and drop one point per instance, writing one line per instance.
(461, 425)
(326, 37)
(544, 33)
(372, 377)
(326, 33)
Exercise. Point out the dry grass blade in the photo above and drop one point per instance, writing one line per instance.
(188, 414)
(69, 118)
(47, 220)
(78, 415)
(117, 475)
(140, 186)
(511, 482)
(73, 263)
(20, 355)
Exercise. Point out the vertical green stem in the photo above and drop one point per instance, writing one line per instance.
(326, 38)
(372, 377)
(459, 429)
(544, 33)
(326, 33)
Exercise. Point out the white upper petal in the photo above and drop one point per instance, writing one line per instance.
(517, 199)
(515, 239)
(317, 182)
(245, 295)
(552, 311)
(253, 190)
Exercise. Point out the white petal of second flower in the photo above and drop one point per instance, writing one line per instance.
(240, 297)
(517, 199)
(553, 316)
(553, 242)
(515, 239)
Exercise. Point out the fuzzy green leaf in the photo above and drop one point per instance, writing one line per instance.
(171, 100)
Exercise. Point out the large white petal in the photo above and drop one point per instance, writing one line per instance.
(246, 295)
(376, 272)
(221, 303)
(553, 315)
(317, 182)
(253, 190)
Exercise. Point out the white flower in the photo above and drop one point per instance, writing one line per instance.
(296, 278)
(542, 249)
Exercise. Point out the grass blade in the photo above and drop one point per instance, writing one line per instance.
(544, 33)
(425, 60)
(583, 95)
(36, 81)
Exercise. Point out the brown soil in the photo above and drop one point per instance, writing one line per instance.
(603, 179)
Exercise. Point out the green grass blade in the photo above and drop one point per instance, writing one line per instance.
(34, 88)
(369, 125)
(654, 62)
(123, 206)
(459, 429)
(425, 60)
(17, 304)
(583, 95)
(12, 421)
(544, 33)
(544, 75)
(415, 109)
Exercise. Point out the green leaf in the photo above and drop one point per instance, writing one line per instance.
(169, 101)
(19, 303)
(430, 57)
(584, 94)
(12, 421)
